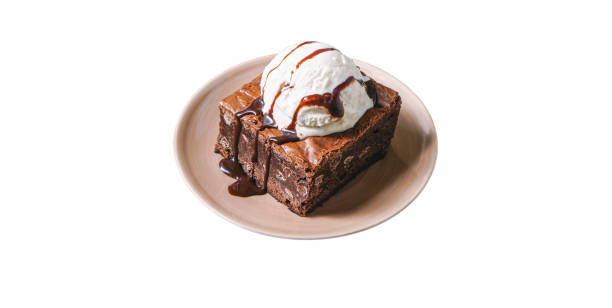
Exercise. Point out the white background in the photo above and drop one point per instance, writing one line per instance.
(94, 211)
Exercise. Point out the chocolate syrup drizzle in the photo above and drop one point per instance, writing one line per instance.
(284, 84)
(278, 93)
(281, 62)
(312, 55)
(289, 134)
(244, 185)
(331, 101)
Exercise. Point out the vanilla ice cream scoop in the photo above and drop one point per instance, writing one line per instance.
(315, 90)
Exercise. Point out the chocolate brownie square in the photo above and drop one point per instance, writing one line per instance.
(304, 173)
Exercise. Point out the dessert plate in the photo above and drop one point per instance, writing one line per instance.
(375, 195)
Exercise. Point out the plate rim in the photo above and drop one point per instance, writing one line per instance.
(181, 161)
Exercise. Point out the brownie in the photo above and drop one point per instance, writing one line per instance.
(302, 174)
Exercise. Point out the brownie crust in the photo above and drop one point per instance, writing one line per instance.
(304, 173)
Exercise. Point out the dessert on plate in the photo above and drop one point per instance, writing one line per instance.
(305, 127)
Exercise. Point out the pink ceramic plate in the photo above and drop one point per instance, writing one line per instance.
(374, 196)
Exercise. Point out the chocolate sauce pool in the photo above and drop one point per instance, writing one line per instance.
(244, 185)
